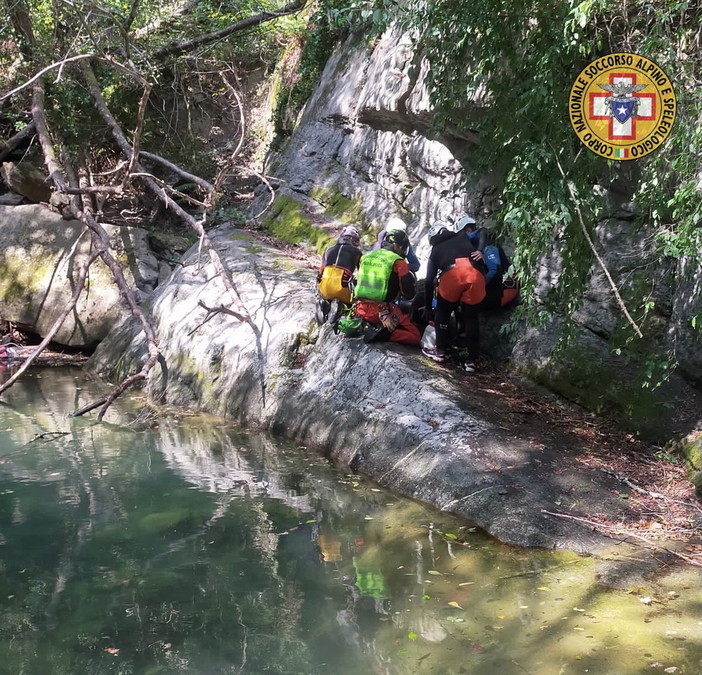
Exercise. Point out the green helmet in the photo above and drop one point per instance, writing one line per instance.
(397, 238)
(350, 327)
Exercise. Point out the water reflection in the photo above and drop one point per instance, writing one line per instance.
(170, 544)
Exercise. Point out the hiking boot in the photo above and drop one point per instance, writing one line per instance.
(434, 354)
(470, 367)
(335, 311)
(321, 311)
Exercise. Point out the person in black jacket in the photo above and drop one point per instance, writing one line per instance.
(461, 286)
(335, 276)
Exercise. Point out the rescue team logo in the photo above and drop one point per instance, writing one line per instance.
(622, 106)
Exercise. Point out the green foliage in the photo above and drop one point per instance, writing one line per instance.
(322, 36)
(503, 69)
(60, 30)
(328, 25)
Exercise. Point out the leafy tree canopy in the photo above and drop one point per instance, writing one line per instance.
(503, 69)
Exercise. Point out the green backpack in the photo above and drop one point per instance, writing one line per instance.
(350, 327)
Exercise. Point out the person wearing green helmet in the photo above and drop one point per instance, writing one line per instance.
(383, 278)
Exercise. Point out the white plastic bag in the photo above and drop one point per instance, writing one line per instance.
(429, 337)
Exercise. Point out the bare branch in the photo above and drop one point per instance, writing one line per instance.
(264, 180)
(177, 48)
(11, 143)
(132, 16)
(101, 242)
(108, 189)
(72, 59)
(196, 225)
(173, 167)
(47, 147)
(101, 247)
(591, 244)
(50, 160)
(213, 311)
(136, 137)
(168, 188)
(43, 72)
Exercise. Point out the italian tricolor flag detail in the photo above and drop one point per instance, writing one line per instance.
(621, 153)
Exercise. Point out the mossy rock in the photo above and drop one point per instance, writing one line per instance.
(696, 480)
(338, 206)
(596, 381)
(287, 222)
(690, 449)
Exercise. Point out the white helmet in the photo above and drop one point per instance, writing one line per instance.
(464, 221)
(437, 228)
(396, 223)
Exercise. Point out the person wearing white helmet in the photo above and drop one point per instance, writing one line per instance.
(335, 276)
(461, 286)
(395, 224)
(477, 235)
(440, 231)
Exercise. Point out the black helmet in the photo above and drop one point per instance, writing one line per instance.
(396, 238)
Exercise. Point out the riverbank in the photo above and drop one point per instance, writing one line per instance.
(527, 468)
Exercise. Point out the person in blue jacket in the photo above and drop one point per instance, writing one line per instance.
(499, 291)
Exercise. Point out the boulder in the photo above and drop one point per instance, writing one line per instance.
(382, 410)
(27, 180)
(40, 261)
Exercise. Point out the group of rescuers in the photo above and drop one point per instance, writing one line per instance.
(466, 274)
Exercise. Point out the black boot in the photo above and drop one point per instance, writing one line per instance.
(322, 311)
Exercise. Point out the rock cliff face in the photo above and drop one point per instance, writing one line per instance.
(364, 139)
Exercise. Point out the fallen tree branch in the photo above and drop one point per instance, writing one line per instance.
(43, 132)
(136, 136)
(177, 48)
(197, 225)
(14, 141)
(168, 188)
(101, 241)
(54, 169)
(101, 246)
(609, 530)
(213, 311)
(264, 180)
(175, 168)
(655, 495)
